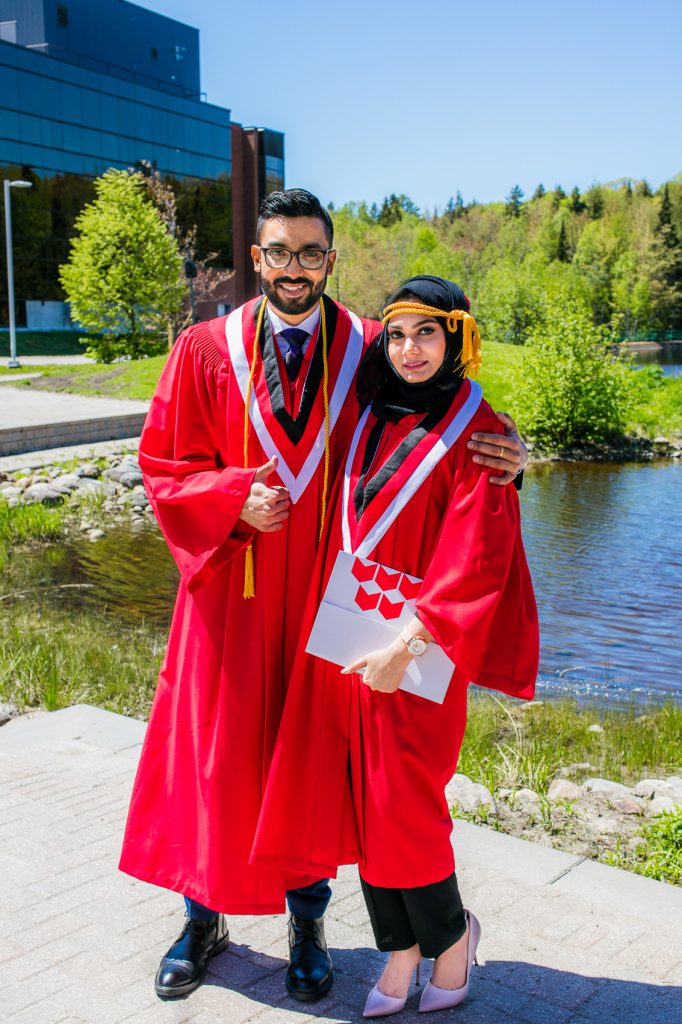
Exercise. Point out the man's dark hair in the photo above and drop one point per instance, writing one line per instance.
(294, 202)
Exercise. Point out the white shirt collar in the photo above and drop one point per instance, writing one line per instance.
(309, 324)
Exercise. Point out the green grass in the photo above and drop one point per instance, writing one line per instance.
(22, 523)
(135, 379)
(659, 853)
(58, 658)
(659, 410)
(44, 343)
(506, 745)
(496, 376)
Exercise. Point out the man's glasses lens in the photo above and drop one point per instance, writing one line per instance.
(309, 259)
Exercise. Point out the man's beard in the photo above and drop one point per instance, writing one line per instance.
(293, 306)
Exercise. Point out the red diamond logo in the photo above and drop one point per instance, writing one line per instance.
(363, 573)
(409, 588)
(366, 601)
(387, 580)
(388, 609)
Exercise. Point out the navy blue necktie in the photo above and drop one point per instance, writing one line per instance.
(293, 357)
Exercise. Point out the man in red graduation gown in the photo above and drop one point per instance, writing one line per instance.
(250, 421)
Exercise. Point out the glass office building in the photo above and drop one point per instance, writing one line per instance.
(86, 86)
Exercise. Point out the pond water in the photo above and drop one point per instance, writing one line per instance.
(668, 357)
(607, 567)
(602, 545)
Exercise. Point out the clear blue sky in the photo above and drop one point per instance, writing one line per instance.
(429, 97)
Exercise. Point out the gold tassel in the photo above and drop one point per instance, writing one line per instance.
(249, 576)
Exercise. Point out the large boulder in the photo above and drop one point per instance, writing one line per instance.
(44, 493)
(605, 788)
(564, 789)
(468, 796)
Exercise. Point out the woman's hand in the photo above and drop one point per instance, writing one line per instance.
(505, 452)
(382, 670)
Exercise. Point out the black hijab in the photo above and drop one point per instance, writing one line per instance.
(380, 385)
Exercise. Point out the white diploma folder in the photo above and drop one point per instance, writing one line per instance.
(365, 607)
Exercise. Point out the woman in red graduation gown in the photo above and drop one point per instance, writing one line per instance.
(372, 760)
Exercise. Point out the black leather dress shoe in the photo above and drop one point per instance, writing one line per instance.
(183, 967)
(310, 973)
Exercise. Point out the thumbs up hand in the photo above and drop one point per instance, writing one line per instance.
(266, 508)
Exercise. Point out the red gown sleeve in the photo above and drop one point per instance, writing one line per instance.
(477, 597)
(197, 500)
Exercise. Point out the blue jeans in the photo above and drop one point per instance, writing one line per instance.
(308, 902)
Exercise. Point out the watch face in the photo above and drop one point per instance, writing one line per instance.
(417, 646)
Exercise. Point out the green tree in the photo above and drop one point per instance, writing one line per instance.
(572, 388)
(539, 192)
(394, 208)
(122, 277)
(514, 202)
(575, 203)
(454, 208)
(643, 188)
(557, 195)
(594, 202)
(563, 249)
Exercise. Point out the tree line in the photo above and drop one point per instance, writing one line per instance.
(614, 250)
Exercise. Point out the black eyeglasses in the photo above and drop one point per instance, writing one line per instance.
(278, 257)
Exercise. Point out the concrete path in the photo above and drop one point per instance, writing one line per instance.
(35, 420)
(564, 940)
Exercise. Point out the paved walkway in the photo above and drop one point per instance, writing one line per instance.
(564, 940)
(36, 420)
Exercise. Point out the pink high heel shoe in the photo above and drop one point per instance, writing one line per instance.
(380, 1005)
(434, 998)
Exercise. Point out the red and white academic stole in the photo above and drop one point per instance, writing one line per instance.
(299, 459)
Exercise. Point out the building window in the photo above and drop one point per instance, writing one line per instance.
(62, 16)
(155, 53)
(8, 31)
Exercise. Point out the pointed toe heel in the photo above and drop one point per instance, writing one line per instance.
(379, 1005)
(435, 998)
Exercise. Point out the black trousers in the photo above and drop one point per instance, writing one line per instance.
(431, 916)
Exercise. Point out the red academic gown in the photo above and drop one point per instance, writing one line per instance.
(371, 768)
(222, 685)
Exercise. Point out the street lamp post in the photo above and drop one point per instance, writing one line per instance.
(7, 185)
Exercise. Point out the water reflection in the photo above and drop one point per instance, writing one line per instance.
(127, 575)
(607, 567)
(602, 545)
(668, 357)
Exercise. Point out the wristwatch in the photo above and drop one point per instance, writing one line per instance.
(416, 645)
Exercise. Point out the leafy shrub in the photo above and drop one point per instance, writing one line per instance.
(573, 388)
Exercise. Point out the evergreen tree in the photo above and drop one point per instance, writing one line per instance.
(643, 188)
(628, 190)
(514, 202)
(390, 212)
(665, 261)
(539, 192)
(665, 218)
(576, 205)
(594, 202)
(563, 253)
(557, 196)
(394, 207)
